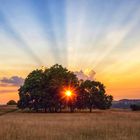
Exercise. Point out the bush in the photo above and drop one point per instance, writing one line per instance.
(11, 102)
(135, 107)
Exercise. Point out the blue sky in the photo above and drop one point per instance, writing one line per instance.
(99, 35)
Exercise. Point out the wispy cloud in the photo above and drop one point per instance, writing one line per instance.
(14, 80)
(8, 91)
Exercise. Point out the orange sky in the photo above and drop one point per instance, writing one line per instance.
(100, 36)
(119, 84)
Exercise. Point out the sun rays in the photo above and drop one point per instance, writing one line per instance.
(83, 34)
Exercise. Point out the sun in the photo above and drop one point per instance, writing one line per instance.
(68, 93)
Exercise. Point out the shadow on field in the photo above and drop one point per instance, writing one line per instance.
(63, 112)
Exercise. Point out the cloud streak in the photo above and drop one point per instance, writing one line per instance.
(14, 80)
(7, 91)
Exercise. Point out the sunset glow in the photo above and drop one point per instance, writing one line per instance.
(96, 39)
(68, 93)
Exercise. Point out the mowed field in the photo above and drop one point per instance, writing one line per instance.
(98, 125)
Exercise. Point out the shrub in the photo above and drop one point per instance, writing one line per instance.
(11, 102)
(135, 107)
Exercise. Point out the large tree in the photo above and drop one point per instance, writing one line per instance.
(44, 90)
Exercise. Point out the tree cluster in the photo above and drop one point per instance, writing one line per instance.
(135, 107)
(43, 90)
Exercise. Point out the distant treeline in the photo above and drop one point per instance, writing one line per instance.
(135, 107)
(125, 103)
(54, 89)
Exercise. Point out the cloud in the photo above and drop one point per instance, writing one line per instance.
(14, 80)
(87, 75)
(18, 81)
(3, 84)
(7, 91)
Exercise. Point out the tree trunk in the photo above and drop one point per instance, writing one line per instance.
(90, 109)
(71, 109)
(45, 109)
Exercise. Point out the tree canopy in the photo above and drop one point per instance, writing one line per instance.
(11, 102)
(45, 90)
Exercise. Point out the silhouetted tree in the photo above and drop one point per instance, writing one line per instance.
(135, 107)
(42, 90)
(92, 95)
(11, 102)
(31, 92)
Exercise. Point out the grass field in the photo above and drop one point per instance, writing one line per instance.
(99, 125)
(4, 109)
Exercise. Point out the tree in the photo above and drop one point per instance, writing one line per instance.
(92, 95)
(135, 107)
(11, 102)
(42, 89)
(31, 91)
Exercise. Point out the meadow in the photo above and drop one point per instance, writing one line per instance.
(4, 109)
(98, 125)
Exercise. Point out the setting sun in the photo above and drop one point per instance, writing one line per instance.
(68, 93)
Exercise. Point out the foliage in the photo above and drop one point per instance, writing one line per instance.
(11, 102)
(135, 107)
(92, 95)
(42, 90)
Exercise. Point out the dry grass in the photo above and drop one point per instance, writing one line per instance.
(7, 109)
(99, 125)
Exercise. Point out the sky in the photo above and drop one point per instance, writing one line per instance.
(97, 39)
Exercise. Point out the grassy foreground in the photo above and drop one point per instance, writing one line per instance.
(4, 109)
(99, 125)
